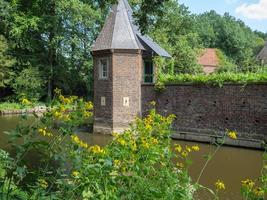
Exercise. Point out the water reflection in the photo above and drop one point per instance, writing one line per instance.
(230, 164)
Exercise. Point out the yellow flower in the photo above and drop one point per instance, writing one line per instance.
(115, 135)
(43, 183)
(89, 105)
(25, 102)
(259, 192)
(44, 132)
(178, 148)
(148, 121)
(188, 149)
(232, 134)
(96, 149)
(248, 183)
(185, 154)
(145, 144)
(86, 114)
(117, 163)
(195, 148)
(180, 165)
(48, 134)
(121, 141)
(148, 127)
(133, 146)
(155, 141)
(57, 114)
(75, 139)
(153, 103)
(219, 185)
(62, 108)
(75, 174)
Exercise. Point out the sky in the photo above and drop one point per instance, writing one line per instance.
(252, 12)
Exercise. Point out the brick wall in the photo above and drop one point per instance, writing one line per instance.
(212, 110)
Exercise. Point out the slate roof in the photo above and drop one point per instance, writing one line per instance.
(119, 32)
(209, 58)
(263, 53)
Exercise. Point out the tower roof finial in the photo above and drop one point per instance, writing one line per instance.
(120, 32)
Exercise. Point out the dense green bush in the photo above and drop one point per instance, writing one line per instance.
(218, 79)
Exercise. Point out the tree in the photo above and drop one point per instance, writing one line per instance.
(55, 37)
(176, 33)
(230, 35)
(29, 84)
(6, 62)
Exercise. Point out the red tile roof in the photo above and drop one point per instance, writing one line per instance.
(208, 58)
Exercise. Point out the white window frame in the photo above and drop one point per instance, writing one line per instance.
(100, 69)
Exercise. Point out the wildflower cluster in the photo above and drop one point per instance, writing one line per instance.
(96, 149)
(75, 139)
(44, 132)
(66, 100)
(70, 109)
(249, 190)
(183, 153)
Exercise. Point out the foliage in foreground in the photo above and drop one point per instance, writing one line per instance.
(135, 165)
(138, 164)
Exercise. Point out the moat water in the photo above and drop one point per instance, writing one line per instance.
(230, 164)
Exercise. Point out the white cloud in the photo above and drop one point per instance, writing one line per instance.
(253, 11)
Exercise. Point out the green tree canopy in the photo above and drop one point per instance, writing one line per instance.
(6, 62)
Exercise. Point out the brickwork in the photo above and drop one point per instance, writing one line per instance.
(123, 83)
(212, 110)
(102, 88)
(126, 84)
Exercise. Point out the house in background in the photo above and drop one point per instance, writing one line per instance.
(262, 56)
(209, 60)
(123, 61)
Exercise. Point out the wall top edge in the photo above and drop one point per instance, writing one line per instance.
(207, 84)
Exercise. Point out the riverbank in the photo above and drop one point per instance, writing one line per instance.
(7, 108)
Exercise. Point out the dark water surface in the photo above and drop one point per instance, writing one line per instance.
(230, 164)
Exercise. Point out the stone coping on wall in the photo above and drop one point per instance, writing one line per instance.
(212, 139)
(207, 84)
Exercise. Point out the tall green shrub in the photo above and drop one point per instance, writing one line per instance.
(29, 84)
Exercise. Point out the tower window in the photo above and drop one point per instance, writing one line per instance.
(148, 72)
(103, 68)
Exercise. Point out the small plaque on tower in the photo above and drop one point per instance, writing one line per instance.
(103, 101)
(126, 101)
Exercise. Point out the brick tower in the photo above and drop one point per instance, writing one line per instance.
(122, 62)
